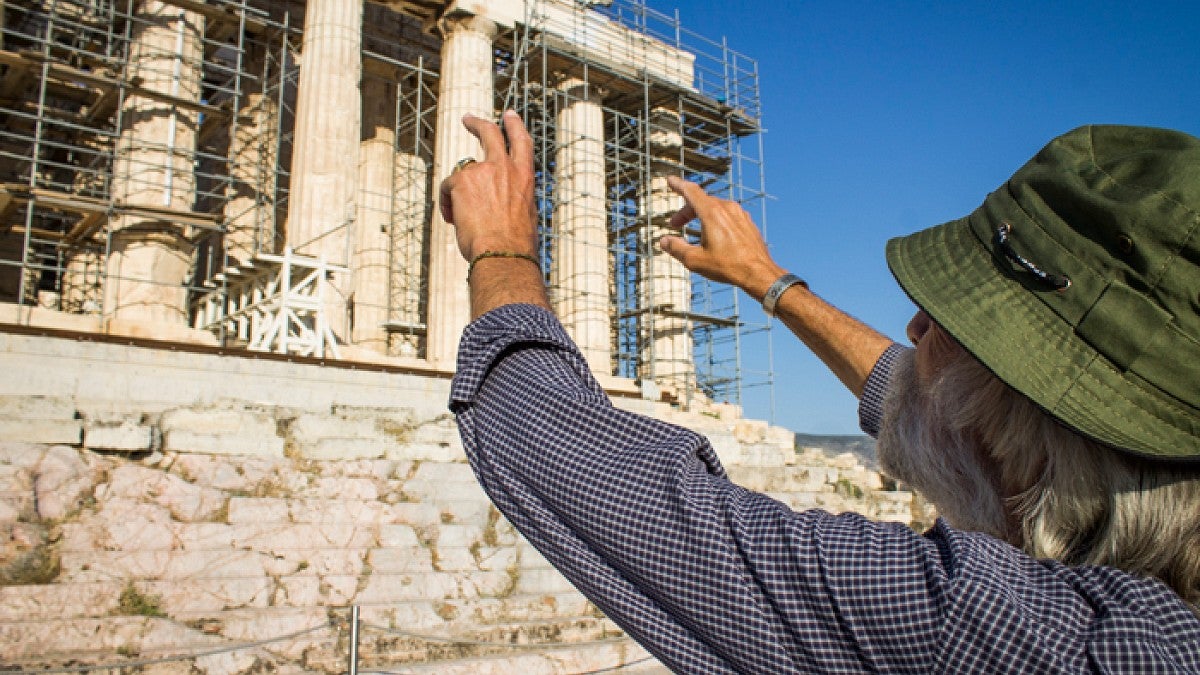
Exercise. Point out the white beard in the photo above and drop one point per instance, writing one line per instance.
(919, 446)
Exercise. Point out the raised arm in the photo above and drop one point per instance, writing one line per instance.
(491, 205)
(732, 251)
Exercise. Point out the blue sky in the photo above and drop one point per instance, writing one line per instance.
(884, 118)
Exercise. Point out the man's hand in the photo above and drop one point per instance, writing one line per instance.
(491, 202)
(492, 207)
(731, 249)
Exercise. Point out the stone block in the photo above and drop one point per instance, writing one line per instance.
(750, 431)
(393, 588)
(299, 590)
(497, 558)
(344, 488)
(344, 448)
(397, 536)
(17, 498)
(445, 472)
(204, 536)
(335, 561)
(416, 514)
(542, 581)
(455, 559)
(474, 511)
(446, 492)
(248, 444)
(427, 452)
(215, 564)
(43, 431)
(782, 437)
(220, 432)
(37, 407)
(348, 511)
(251, 510)
(123, 436)
(846, 460)
(92, 566)
(400, 560)
(312, 427)
(460, 536)
(58, 601)
(183, 596)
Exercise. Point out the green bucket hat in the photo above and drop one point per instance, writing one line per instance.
(1078, 284)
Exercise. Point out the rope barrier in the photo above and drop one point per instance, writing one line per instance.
(181, 657)
(484, 643)
(610, 669)
(331, 624)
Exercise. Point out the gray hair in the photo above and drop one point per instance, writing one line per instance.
(992, 461)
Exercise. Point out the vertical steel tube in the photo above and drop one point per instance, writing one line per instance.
(352, 666)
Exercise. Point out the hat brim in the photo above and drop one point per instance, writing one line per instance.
(953, 274)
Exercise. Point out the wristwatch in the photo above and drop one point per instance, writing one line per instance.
(776, 290)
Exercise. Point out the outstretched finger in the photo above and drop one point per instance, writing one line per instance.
(488, 134)
(444, 203)
(682, 217)
(693, 194)
(520, 143)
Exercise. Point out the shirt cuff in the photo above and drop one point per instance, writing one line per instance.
(489, 336)
(870, 405)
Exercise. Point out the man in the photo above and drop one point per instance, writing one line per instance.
(1050, 409)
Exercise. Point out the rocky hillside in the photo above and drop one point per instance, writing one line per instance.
(236, 537)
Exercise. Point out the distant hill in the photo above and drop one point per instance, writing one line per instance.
(861, 445)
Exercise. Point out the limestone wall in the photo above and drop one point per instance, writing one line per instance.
(146, 512)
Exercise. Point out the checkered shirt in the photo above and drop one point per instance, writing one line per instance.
(713, 578)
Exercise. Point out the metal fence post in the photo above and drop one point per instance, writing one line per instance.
(353, 665)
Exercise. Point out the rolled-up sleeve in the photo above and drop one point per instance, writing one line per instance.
(870, 404)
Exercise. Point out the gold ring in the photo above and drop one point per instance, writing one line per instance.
(463, 163)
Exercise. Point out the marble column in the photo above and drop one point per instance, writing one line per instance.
(324, 176)
(372, 232)
(249, 220)
(410, 229)
(581, 263)
(666, 282)
(82, 280)
(150, 259)
(465, 86)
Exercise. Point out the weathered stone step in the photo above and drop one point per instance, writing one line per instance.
(307, 635)
(446, 551)
(785, 478)
(407, 645)
(98, 600)
(112, 639)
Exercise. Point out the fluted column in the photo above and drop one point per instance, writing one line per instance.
(581, 267)
(324, 177)
(249, 213)
(149, 260)
(667, 283)
(465, 86)
(410, 228)
(372, 233)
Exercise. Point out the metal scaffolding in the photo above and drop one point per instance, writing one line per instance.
(618, 96)
(694, 111)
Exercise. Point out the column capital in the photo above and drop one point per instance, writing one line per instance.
(579, 88)
(459, 21)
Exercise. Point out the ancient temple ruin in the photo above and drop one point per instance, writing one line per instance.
(262, 175)
(229, 313)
